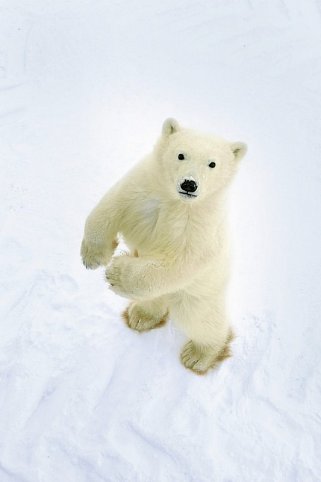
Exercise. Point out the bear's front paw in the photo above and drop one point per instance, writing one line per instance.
(120, 274)
(93, 255)
(117, 275)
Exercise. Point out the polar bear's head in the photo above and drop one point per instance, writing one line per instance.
(195, 165)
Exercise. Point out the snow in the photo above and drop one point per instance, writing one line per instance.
(84, 88)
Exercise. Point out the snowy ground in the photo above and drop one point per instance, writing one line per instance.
(84, 88)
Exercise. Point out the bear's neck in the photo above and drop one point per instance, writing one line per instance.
(211, 211)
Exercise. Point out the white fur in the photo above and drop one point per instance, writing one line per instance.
(182, 265)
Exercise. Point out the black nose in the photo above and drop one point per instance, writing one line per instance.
(189, 186)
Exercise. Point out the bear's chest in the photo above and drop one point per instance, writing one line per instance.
(148, 213)
(139, 225)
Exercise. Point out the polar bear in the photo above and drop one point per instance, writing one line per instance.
(170, 209)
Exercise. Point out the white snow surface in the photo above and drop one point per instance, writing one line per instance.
(84, 88)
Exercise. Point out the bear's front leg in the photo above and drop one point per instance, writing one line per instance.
(144, 278)
(100, 234)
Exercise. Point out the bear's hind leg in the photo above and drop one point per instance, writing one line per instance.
(205, 323)
(201, 358)
(146, 315)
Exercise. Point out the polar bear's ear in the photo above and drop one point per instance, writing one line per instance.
(239, 150)
(170, 126)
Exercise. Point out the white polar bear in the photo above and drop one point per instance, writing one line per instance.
(171, 211)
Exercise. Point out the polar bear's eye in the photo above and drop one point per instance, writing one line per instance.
(212, 164)
(181, 157)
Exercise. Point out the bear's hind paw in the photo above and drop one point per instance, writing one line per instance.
(137, 319)
(200, 359)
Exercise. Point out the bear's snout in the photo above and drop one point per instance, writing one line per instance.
(188, 185)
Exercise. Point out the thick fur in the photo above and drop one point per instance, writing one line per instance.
(179, 243)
